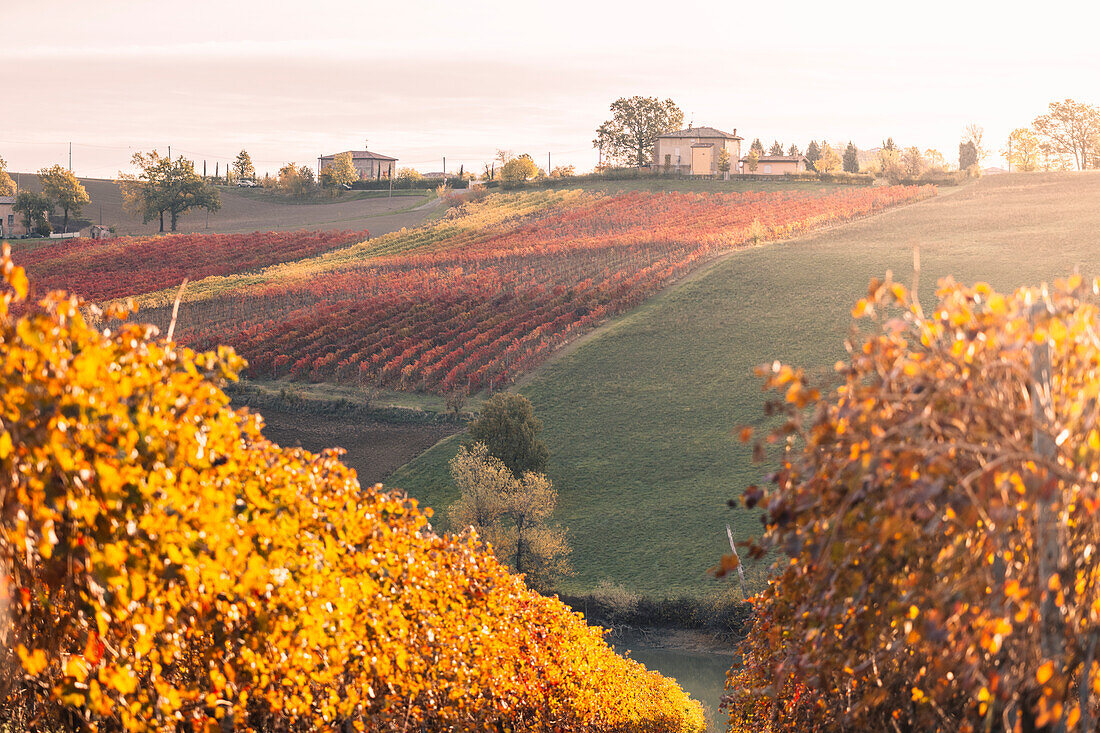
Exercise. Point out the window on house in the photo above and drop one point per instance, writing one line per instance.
(767, 169)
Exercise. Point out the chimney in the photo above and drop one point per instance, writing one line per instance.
(735, 132)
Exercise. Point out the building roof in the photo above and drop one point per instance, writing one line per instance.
(779, 158)
(703, 132)
(360, 155)
(7, 199)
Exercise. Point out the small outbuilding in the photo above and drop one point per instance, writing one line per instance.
(777, 165)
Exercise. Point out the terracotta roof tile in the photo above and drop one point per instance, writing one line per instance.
(702, 132)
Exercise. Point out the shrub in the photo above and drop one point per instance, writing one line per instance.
(166, 567)
(939, 511)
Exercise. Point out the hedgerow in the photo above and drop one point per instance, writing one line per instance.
(167, 568)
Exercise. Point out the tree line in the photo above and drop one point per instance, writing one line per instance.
(1067, 137)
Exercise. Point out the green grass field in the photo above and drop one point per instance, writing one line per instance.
(639, 418)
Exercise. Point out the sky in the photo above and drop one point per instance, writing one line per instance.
(423, 79)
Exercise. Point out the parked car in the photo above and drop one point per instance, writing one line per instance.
(247, 183)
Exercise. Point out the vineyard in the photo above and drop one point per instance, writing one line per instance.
(486, 294)
(168, 568)
(113, 268)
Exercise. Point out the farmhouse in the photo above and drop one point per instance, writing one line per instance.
(10, 224)
(776, 165)
(695, 150)
(370, 166)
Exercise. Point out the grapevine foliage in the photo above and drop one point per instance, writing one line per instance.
(938, 513)
(167, 568)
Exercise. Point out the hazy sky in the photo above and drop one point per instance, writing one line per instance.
(421, 79)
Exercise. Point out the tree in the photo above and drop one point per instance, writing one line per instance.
(563, 171)
(813, 154)
(851, 158)
(7, 185)
(508, 426)
(757, 147)
(630, 136)
(1070, 129)
(937, 510)
(889, 159)
(35, 209)
(829, 160)
(973, 134)
(724, 160)
(752, 161)
(341, 171)
(296, 180)
(1024, 151)
(913, 162)
(935, 159)
(410, 174)
(776, 148)
(968, 155)
(520, 169)
(793, 150)
(510, 514)
(166, 187)
(242, 165)
(63, 189)
(888, 144)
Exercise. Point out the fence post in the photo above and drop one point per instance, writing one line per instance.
(740, 568)
(1049, 540)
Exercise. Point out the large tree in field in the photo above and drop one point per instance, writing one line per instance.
(164, 187)
(813, 154)
(1071, 129)
(341, 171)
(63, 190)
(975, 134)
(851, 159)
(1024, 152)
(242, 165)
(34, 208)
(968, 155)
(829, 161)
(7, 185)
(508, 426)
(631, 134)
(519, 169)
(510, 513)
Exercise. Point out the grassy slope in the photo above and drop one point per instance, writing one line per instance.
(638, 419)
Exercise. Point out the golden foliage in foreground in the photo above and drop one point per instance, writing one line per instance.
(167, 568)
(939, 513)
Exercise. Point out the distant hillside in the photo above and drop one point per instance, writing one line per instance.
(245, 211)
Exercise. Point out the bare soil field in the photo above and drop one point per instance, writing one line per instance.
(374, 449)
(243, 211)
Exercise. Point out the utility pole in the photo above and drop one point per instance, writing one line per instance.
(444, 171)
(70, 157)
(548, 165)
(169, 152)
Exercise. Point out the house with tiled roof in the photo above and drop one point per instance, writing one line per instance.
(369, 165)
(695, 150)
